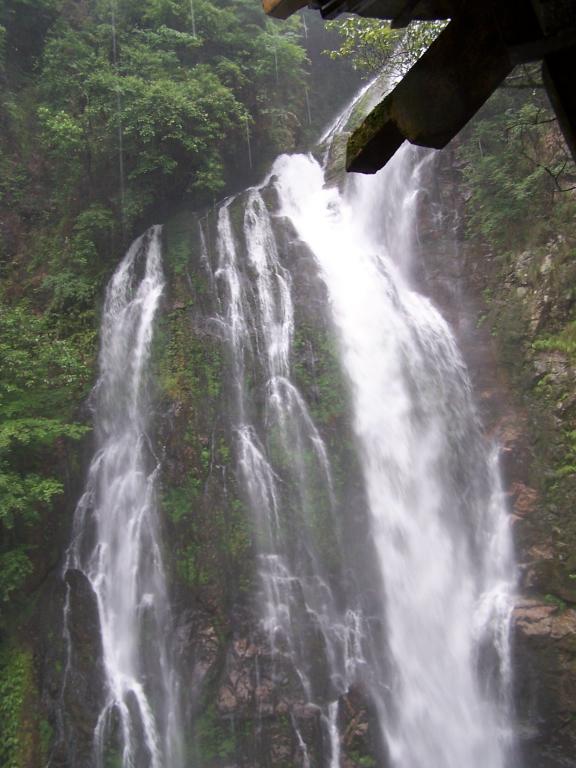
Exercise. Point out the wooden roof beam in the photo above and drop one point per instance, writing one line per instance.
(400, 12)
(464, 65)
(405, 16)
(441, 92)
(282, 9)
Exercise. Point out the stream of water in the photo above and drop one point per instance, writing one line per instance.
(116, 541)
(437, 510)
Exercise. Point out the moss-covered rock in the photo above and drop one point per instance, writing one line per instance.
(523, 303)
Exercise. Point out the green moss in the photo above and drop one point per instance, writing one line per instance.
(214, 536)
(237, 533)
(205, 458)
(16, 681)
(216, 739)
(556, 446)
(508, 322)
(46, 733)
(189, 567)
(223, 451)
(564, 342)
(322, 381)
(177, 243)
(366, 762)
(113, 757)
(556, 601)
(359, 759)
(178, 501)
(190, 368)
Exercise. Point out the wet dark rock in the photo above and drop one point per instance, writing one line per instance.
(83, 693)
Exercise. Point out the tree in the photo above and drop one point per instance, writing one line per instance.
(374, 47)
(40, 375)
(517, 168)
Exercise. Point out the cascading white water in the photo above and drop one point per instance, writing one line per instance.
(258, 318)
(438, 518)
(116, 542)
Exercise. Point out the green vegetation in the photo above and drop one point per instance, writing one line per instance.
(517, 170)
(191, 367)
(555, 601)
(133, 102)
(42, 376)
(322, 382)
(215, 738)
(211, 526)
(372, 46)
(46, 738)
(177, 501)
(214, 542)
(361, 761)
(15, 684)
(189, 569)
(564, 342)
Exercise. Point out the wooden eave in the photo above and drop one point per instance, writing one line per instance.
(400, 12)
(282, 9)
(474, 53)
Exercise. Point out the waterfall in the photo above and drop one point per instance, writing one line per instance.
(116, 542)
(438, 675)
(438, 518)
(385, 570)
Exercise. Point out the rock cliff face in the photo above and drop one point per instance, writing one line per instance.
(512, 319)
(527, 311)
(514, 316)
